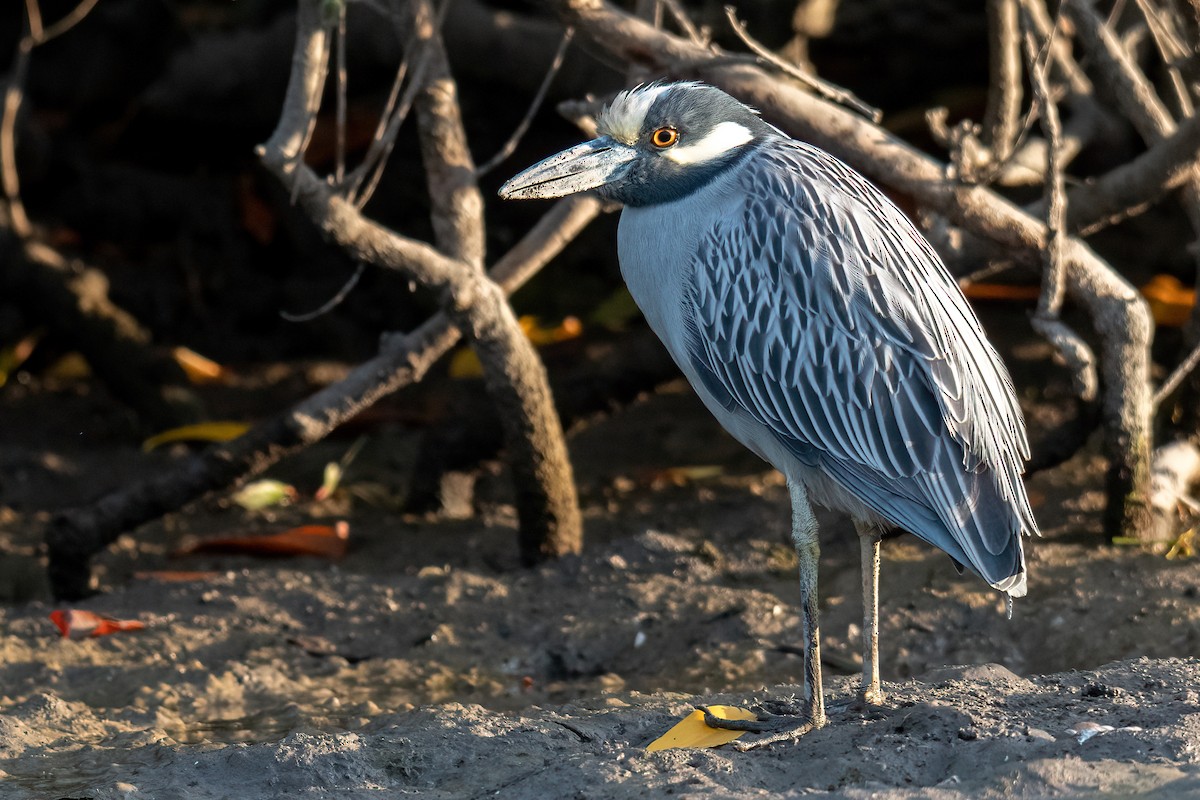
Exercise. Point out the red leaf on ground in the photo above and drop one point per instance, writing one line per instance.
(324, 541)
(75, 624)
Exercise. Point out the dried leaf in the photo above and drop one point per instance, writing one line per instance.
(74, 624)
(330, 480)
(199, 370)
(262, 494)
(680, 476)
(202, 432)
(692, 732)
(1170, 301)
(336, 471)
(13, 356)
(1184, 546)
(71, 367)
(1001, 291)
(540, 335)
(323, 541)
(465, 364)
(175, 575)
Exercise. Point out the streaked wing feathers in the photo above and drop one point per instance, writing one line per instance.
(819, 310)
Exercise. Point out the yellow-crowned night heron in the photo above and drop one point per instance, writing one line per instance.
(820, 328)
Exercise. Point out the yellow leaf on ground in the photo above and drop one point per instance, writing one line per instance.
(692, 732)
(203, 432)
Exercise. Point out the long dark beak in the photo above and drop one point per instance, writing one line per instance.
(578, 169)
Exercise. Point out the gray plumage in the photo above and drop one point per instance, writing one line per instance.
(822, 331)
(825, 333)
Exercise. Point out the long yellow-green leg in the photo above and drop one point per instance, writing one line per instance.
(795, 722)
(808, 551)
(868, 538)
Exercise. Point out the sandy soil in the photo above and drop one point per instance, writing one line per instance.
(427, 662)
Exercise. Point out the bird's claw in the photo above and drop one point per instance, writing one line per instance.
(786, 727)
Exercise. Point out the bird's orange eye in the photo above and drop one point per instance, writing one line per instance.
(664, 137)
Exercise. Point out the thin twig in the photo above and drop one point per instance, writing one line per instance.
(359, 173)
(1176, 377)
(332, 302)
(14, 95)
(823, 88)
(69, 21)
(685, 22)
(381, 148)
(1050, 301)
(1060, 47)
(1046, 320)
(1172, 52)
(340, 155)
(33, 15)
(511, 145)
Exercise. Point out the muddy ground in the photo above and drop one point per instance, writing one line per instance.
(428, 662)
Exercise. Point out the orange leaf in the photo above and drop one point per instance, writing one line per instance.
(1001, 291)
(324, 541)
(175, 575)
(199, 370)
(75, 624)
(1170, 301)
(465, 364)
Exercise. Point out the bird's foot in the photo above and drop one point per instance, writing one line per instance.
(787, 726)
(872, 696)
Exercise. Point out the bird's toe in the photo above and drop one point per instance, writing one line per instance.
(773, 728)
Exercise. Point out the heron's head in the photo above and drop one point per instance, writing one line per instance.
(657, 143)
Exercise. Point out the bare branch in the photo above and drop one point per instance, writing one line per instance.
(823, 88)
(1001, 120)
(1133, 91)
(14, 94)
(685, 23)
(511, 145)
(1177, 377)
(1129, 189)
(1047, 320)
(547, 507)
(1172, 51)
(301, 103)
(339, 173)
(69, 21)
(1065, 66)
(1152, 120)
(33, 17)
(456, 204)
(372, 166)
(76, 535)
(332, 302)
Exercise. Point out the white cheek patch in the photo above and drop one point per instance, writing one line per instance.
(721, 139)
